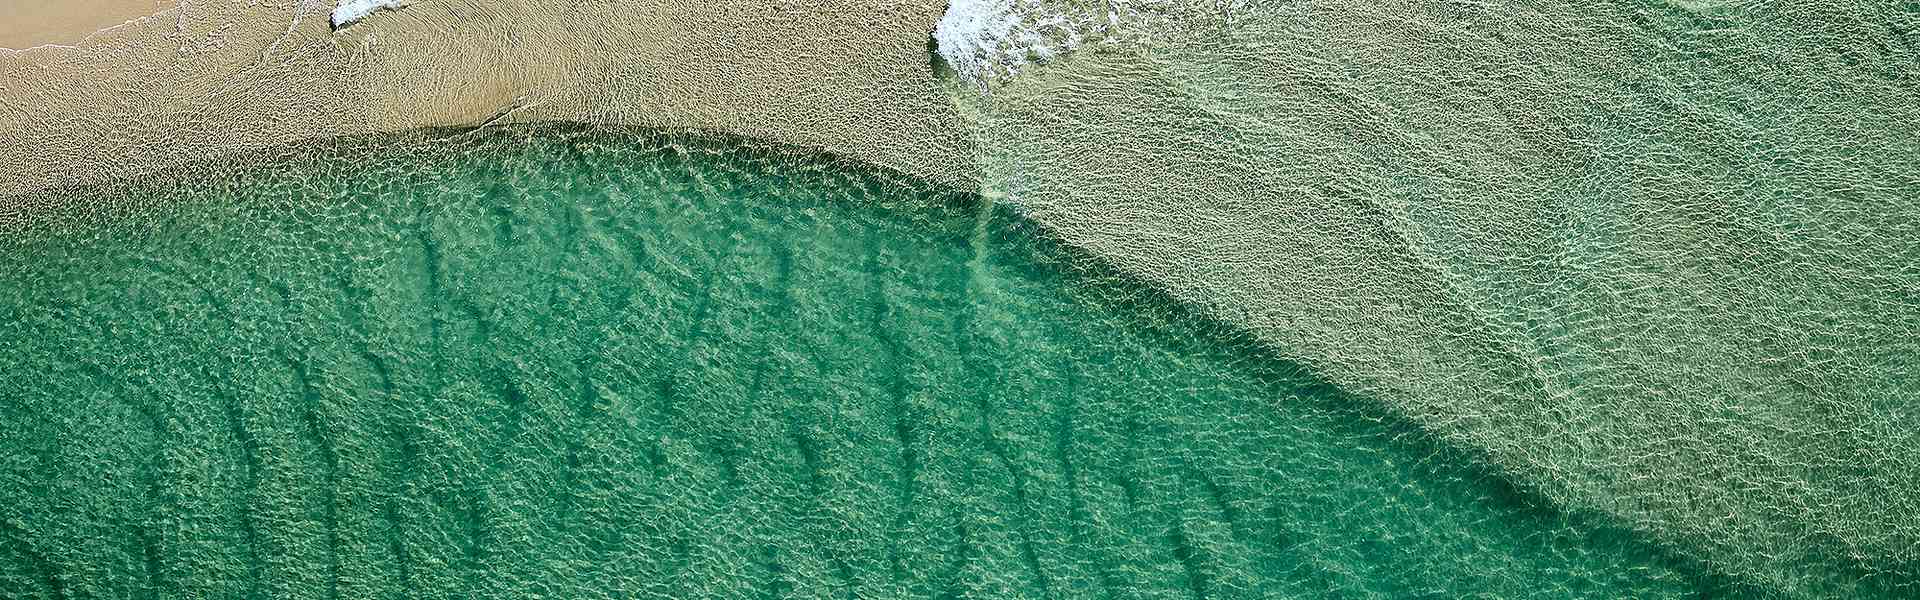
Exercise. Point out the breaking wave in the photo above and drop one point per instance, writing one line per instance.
(986, 41)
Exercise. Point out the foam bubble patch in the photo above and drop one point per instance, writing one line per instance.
(349, 12)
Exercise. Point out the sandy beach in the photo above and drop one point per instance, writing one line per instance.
(849, 77)
(1651, 261)
(25, 24)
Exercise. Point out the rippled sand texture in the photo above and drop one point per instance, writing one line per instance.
(1660, 261)
(220, 78)
(1654, 263)
(584, 366)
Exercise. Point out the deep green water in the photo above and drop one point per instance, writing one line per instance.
(578, 365)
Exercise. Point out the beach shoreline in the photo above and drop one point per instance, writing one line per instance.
(25, 25)
(851, 77)
(1563, 250)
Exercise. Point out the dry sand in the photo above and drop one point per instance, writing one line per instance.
(851, 77)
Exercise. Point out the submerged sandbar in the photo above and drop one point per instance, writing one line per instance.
(29, 23)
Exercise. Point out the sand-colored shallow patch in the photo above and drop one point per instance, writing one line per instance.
(849, 77)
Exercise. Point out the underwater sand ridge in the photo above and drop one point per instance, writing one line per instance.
(1416, 242)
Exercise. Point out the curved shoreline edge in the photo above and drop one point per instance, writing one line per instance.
(852, 79)
(1588, 271)
(849, 76)
(1096, 276)
(80, 208)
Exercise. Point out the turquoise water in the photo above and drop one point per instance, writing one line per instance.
(574, 364)
(1657, 260)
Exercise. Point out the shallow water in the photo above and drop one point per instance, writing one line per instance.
(575, 364)
(1658, 260)
(1651, 261)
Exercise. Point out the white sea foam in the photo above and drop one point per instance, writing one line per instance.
(350, 11)
(970, 31)
(985, 39)
(988, 40)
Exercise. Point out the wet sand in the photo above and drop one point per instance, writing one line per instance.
(1575, 266)
(29, 23)
(852, 78)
